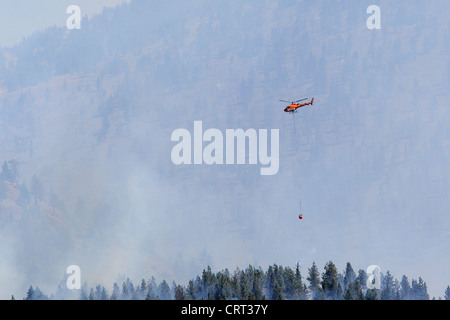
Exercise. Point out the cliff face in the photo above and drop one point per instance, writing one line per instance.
(90, 113)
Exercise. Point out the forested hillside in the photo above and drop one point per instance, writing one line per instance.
(252, 283)
(86, 118)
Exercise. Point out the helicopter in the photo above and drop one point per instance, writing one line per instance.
(294, 106)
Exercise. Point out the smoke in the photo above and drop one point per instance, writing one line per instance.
(89, 115)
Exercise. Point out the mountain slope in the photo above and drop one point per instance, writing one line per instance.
(90, 112)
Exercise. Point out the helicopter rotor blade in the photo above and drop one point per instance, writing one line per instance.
(302, 100)
(285, 101)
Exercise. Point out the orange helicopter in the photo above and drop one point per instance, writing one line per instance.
(296, 105)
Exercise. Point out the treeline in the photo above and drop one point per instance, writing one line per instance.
(276, 283)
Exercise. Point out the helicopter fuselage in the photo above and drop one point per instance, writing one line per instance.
(294, 106)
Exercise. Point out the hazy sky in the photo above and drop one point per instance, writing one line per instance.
(21, 18)
(372, 157)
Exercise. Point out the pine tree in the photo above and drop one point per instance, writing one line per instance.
(354, 291)
(447, 293)
(277, 293)
(35, 294)
(258, 280)
(405, 289)
(300, 287)
(235, 288)
(39, 295)
(152, 289)
(314, 282)
(142, 290)
(274, 282)
(357, 290)
(290, 282)
(191, 291)
(419, 290)
(278, 272)
(179, 293)
(208, 283)
(127, 290)
(91, 295)
(349, 276)
(83, 293)
(362, 279)
(151, 292)
(103, 294)
(164, 291)
(424, 292)
(396, 290)
(223, 289)
(330, 282)
(386, 293)
(244, 287)
(371, 294)
(387, 285)
(348, 294)
(116, 292)
(100, 293)
(30, 293)
(271, 281)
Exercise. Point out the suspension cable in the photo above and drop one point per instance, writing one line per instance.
(297, 163)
